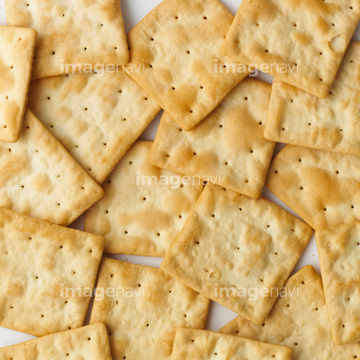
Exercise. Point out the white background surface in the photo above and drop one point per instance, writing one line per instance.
(133, 12)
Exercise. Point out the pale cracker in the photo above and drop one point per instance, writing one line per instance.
(144, 207)
(39, 262)
(300, 43)
(73, 36)
(96, 118)
(193, 344)
(145, 309)
(339, 249)
(17, 51)
(231, 244)
(89, 342)
(228, 148)
(175, 56)
(39, 178)
(331, 124)
(321, 187)
(300, 320)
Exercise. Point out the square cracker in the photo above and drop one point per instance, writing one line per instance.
(340, 264)
(231, 245)
(39, 262)
(228, 148)
(96, 118)
(321, 187)
(72, 34)
(206, 345)
(39, 178)
(300, 320)
(89, 342)
(144, 207)
(175, 56)
(331, 124)
(302, 47)
(17, 51)
(144, 311)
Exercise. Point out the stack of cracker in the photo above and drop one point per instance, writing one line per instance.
(76, 94)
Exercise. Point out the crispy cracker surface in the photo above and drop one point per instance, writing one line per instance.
(96, 117)
(228, 148)
(144, 207)
(237, 251)
(39, 178)
(73, 36)
(299, 320)
(17, 51)
(300, 43)
(175, 56)
(144, 310)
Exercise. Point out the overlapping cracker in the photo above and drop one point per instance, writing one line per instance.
(73, 36)
(96, 117)
(339, 248)
(144, 310)
(322, 187)
(205, 345)
(300, 43)
(144, 207)
(228, 148)
(39, 264)
(330, 124)
(232, 246)
(89, 342)
(300, 320)
(39, 178)
(17, 51)
(175, 56)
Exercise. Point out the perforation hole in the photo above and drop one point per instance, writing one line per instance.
(53, 53)
(205, 18)
(188, 52)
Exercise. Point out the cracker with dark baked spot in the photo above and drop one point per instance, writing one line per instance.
(322, 187)
(331, 124)
(228, 148)
(175, 56)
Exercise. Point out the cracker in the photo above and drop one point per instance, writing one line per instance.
(96, 118)
(144, 311)
(175, 56)
(89, 342)
(144, 207)
(321, 187)
(338, 248)
(39, 178)
(228, 148)
(205, 345)
(300, 320)
(80, 33)
(17, 51)
(237, 251)
(39, 264)
(330, 124)
(303, 48)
